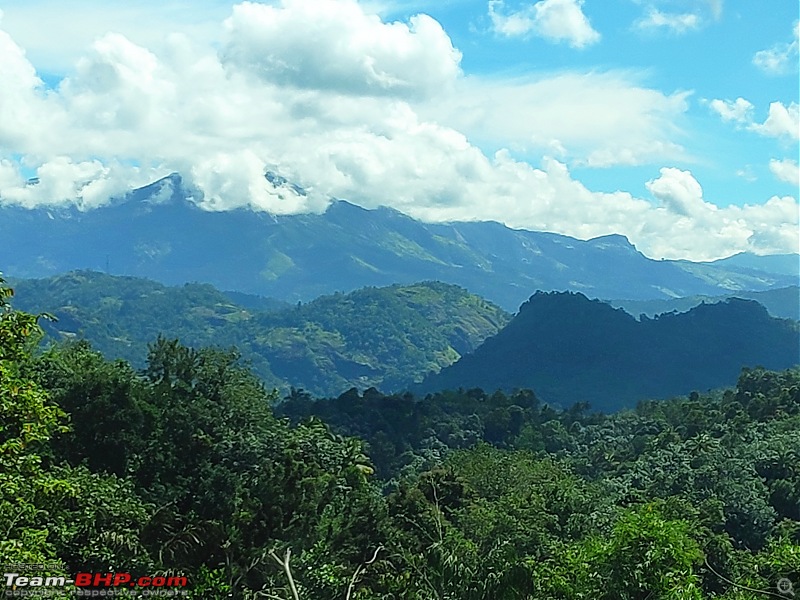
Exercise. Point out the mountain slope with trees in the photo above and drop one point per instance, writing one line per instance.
(569, 349)
(387, 337)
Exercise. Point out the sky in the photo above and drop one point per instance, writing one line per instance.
(672, 122)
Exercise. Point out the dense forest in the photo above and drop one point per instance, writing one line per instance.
(389, 337)
(190, 465)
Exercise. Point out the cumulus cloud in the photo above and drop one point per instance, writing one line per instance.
(147, 23)
(780, 59)
(674, 22)
(87, 183)
(782, 121)
(766, 228)
(379, 133)
(679, 192)
(353, 52)
(738, 111)
(555, 20)
(785, 170)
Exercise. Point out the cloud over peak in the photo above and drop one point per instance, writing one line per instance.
(349, 105)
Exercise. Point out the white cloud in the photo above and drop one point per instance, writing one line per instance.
(747, 173)
(596, 119)
(674, 22)
(782, 121)
(781, 58)
(786, 170)
(353, 52)
(679, 192)
(128, 114)
(715, 6)
(767, 228)
(87, 184)
(40, 27)
(738, 111)
(659, 15)
(556, 20)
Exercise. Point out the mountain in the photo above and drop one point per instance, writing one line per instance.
(570, 349)
(383, 337)
(160, 232)
(787, 264)
(783, 303)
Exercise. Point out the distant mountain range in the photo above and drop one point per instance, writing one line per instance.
(783, 303)
(568, 349)
(159, 232)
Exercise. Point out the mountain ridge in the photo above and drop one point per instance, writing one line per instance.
(160, 232)
(568, 348)
(387, 337)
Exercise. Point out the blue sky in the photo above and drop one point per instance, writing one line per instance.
(712, 60)
(673, 122)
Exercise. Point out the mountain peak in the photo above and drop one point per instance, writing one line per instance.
(167, 190)
(612, 241)
(568, 349)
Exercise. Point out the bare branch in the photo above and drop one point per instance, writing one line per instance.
(287, 569)
(359, 570)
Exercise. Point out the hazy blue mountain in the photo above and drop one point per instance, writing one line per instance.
(786, 264)
(256, 302)
(783, 303)
(570, 349)
(159, 232)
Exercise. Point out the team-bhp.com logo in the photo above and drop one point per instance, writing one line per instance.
(96, 585)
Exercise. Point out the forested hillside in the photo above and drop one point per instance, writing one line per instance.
(571, 349)
(185, 468)
(387, 337)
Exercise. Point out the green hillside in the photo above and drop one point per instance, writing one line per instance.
(383, 337)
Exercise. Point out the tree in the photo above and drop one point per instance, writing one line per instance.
(48, 513)
(27, 421)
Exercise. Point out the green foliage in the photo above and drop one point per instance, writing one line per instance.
(183, 466)
(52, 514)
(389, 337)
(646, 556)
(650, 556)
(27, 421)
